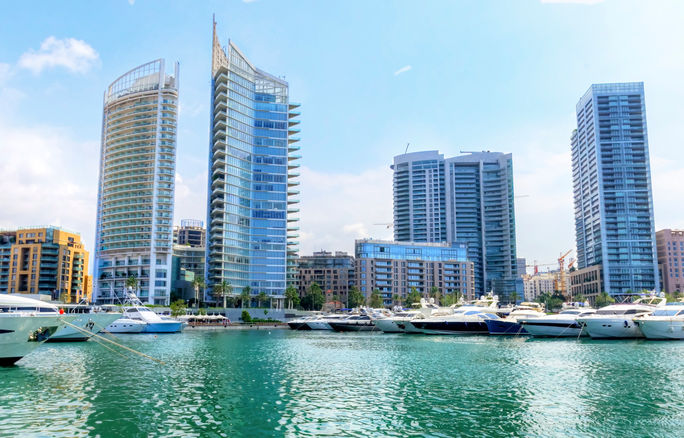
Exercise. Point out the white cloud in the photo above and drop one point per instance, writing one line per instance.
(337, 208)
(248, 1)
(191, 197)
(131, 2)
(404, 69)
(75, 55)
(47, 178)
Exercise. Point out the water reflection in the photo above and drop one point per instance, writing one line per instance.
(284, 383)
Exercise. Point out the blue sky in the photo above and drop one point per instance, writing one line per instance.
(371, 76)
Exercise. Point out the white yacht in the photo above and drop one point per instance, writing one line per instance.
(26, 323)
(323, 321)
(468, 319)
(617, 320)
(396, 323)
(126, 325)
(301, 323)
(89, 320)
(666, 322)
(563, 324)
(510, 325)
(133, 309)
(353, 323)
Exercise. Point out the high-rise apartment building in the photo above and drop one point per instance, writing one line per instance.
(333, 272)
(44, 261)
(466, 199)
(252, 196)
(670, 244)
(394, 268)
(136, 188)
(614, 224)
(190, 233)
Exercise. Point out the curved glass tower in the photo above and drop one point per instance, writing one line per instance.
(136, 188)
(252, 196)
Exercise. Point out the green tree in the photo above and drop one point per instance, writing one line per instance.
(314, 298)
(514, 297)
(396, 298)
(292, 297)
(245, 316)
(579, 298)
(178, 308)
(435, 293)
(198, 284)
(355, 297)
(132, 283)
(375, 299)
(413, 296)
(604, 299)
(223, 289)
(261, 298)
(245, 295)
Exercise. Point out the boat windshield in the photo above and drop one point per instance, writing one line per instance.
(666, 312)
(490, 316)
(619, 311)
(570, 312)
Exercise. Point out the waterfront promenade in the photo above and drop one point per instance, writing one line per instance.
(285, 383)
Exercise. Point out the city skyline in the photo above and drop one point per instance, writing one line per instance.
(51, 152)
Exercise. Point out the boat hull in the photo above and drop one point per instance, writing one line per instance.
(124, 325)
(163, 327)
(612, 328)
(409, 328)
(90, 324)
(298, 325)
(318, 325)
(502, 327)
(554, 329)
(342, 327)
(451, 327)
(663, 329)
(388, 326)
(20, 335)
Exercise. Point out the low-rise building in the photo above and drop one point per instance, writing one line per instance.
(587, 282)
(670, 245)
(187, 264)
(393, 268)
(44, 261)
(191, 232)
(333, 272)
(537, 284)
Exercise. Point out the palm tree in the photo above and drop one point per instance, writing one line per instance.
(245, 295)
(132, 283)
(197, 284)
(261, 297)
(223, 289)
(514, 297)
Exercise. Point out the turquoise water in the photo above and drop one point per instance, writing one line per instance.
(284, 383)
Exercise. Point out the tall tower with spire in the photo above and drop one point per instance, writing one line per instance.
(252, 185)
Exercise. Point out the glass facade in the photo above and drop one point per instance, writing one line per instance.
(133, 234)
(252, 199)
(466, 199)
(376, 249)
(614, 224)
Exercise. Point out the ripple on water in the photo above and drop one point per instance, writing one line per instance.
(255, 383)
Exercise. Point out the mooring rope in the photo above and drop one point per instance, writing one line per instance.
(112, 342)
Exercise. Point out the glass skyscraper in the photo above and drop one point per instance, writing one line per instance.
(614, 223)
(136, 187)
(252, 196)
(466, 199)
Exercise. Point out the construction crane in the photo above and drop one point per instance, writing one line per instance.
(561, 286)
(537, 265)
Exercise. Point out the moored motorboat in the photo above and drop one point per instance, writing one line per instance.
(134, 309)
(395, 323)
(353, 323)
(510, 325)
(126, 325)
(26, 323)
(300, 323)
(617, 320)
(467, 319)
(666, 322)
(89, 321)
(323, 321)
(563, 324)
